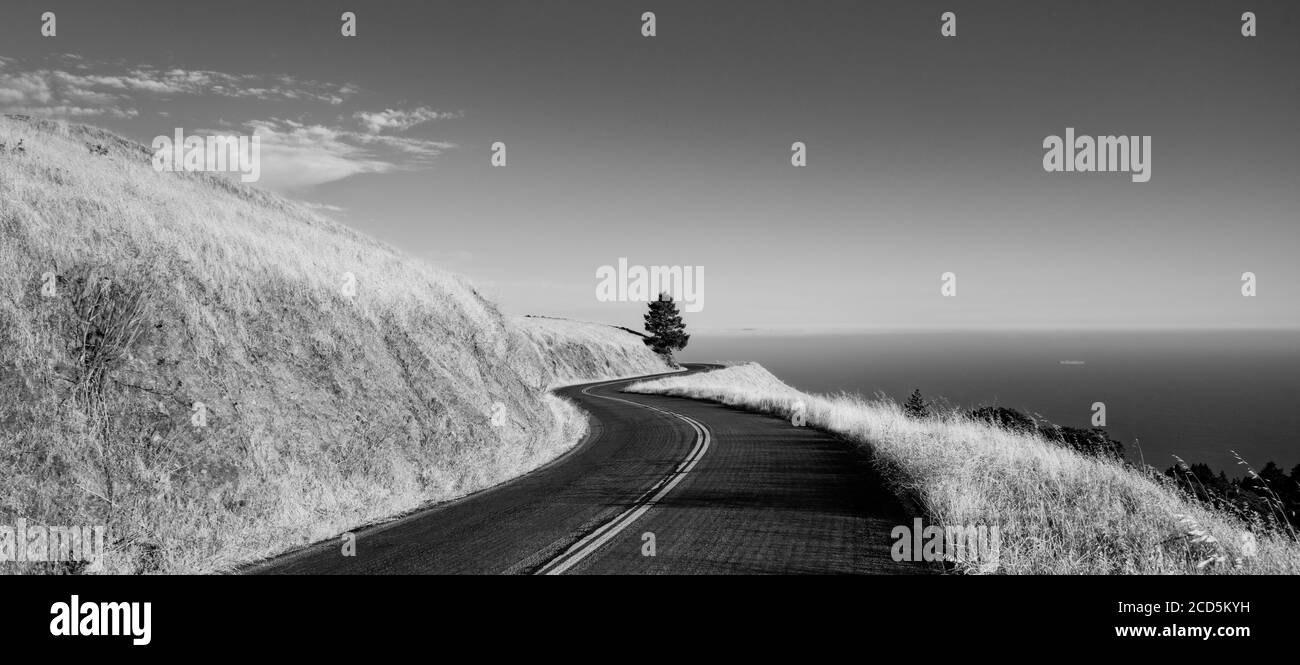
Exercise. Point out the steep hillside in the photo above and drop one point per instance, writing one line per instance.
(218, 374)
(579, 350)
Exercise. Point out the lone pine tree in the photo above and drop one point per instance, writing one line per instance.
(664, 323)
(916, 406)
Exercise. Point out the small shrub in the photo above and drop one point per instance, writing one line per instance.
(916, 406)
(1008, 419)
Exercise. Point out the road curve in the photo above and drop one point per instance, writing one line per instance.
(661, 485)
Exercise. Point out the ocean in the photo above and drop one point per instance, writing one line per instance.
(1198, 395)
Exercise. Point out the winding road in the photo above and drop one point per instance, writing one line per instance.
(661, 485)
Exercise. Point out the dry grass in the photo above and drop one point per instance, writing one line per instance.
(579, 350)
(324, 410)
(1059, 512)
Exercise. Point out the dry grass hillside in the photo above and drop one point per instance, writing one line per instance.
(219, 374)
(1059, 511)
(579, 350)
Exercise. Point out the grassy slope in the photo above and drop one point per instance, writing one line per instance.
(324, 410)
(579, 350)
(1060, 512)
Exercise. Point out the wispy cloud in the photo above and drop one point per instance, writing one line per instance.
(68, 111)
(400, 120)
(321, 145)
(19, 88)
(80, 84)
(298, 155)
(324, 207)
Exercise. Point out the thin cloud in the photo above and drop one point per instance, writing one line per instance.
(400, 120)
(24, 89)
(295, 154)
(65, 111)
(83, 85)
(298, 155)
(325, 207)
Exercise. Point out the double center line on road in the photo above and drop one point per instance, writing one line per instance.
(592, 541)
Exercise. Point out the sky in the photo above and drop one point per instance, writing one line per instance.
(924, 153)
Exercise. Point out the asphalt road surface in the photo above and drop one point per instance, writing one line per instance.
(661, 485)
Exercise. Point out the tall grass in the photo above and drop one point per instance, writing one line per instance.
(324, 409)
(1059, 512)
(578, 351)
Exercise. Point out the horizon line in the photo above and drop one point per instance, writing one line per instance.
(895, 329)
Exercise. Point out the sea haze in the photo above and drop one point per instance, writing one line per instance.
(1198, 395)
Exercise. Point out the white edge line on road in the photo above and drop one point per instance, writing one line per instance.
(594, 540)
